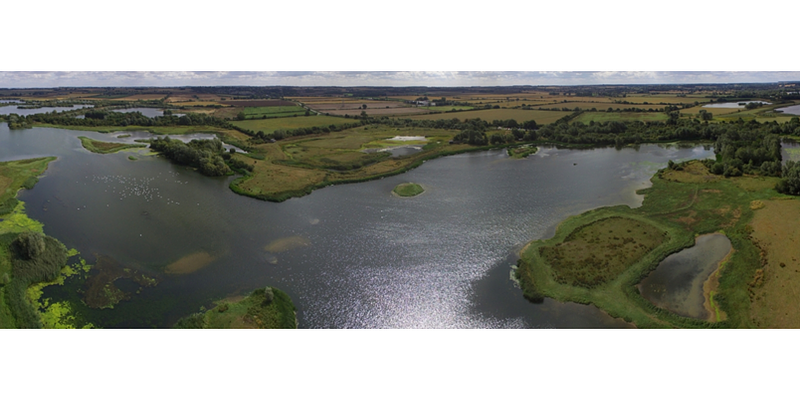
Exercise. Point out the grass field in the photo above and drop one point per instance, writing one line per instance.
(541, 117)
(596, 253)
(408, 189)
(271, 112)
(587, 117)
(684, 206)
(776, 289)
(271, 125)
(96, 146)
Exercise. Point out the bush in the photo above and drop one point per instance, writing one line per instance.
(790, 184)
(194, 321)
(269, 295)
(8, 205)
(29, 245)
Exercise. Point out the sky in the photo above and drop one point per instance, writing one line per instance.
(421, 43)
(30, 79)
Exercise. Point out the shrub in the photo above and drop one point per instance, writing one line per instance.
(269, 295)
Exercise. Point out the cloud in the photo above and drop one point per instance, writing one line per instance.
(378, 78)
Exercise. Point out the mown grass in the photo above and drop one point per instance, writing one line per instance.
(683, 208)
(408, 189)
(96, 146)
(258, 310)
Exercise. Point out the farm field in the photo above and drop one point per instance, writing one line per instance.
(540, 116)
(194, 103)
(137, 97)
(658, 99)
(620, 116)
(202, 97)
(715, 111)
(356, 105)
(257, 103)
(376, 112)
(271, 125)
(275, 111)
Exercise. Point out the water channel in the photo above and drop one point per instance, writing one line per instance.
(350, 256)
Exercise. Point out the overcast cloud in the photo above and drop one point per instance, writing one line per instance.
(376, 78)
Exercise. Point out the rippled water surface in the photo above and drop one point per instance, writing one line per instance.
(350, 256)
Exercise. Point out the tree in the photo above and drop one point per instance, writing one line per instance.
(240, 116)
(790, 184)
(29, 245)
(529, 125)
(364, 106)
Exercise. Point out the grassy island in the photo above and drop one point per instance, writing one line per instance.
(408, 189)
(600, 256)
(96, 146)
(266, 308)
(523, 151)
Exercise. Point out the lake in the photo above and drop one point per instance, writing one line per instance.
(793, 110)
(12, 109)
(740, 104)
(350, 256)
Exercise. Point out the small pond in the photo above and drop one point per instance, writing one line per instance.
(677, 282)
